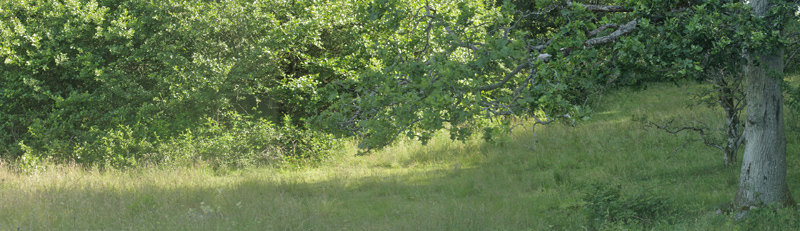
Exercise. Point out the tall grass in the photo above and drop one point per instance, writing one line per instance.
(525, 184)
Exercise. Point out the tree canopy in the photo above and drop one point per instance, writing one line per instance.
(455, 66)
(77, 72)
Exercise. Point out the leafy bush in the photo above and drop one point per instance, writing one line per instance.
(605, 203)
(244, 143)
(116, 81)
(28, 162)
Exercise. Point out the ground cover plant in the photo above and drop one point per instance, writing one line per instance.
(445, 185)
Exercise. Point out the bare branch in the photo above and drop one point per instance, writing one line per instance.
(701, 131)
(613, 37)
(601, 29)
(623, 30)
(600, 8)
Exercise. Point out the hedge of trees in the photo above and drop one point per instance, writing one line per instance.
(118, 81)
(238, 82)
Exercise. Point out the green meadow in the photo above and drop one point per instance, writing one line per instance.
(530, 181)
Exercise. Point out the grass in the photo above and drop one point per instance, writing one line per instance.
(524, 184)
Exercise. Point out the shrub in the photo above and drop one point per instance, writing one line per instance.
(605, 203)
(235, 143)
(244, 143)
(115, 81)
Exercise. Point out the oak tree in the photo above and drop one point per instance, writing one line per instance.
(452, 66)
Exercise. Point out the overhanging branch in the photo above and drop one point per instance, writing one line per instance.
(700, 130)
(597, 31)
(600, 8)
(506, 79)
(622, 30)
(427, 23)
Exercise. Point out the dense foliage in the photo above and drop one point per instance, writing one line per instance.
(103, 80)
(81, 77)
(456, 66)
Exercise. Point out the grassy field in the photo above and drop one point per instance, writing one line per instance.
(520, 185)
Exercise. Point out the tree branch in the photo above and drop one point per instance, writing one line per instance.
(600, 8)
(601, 29)
(701, 131)
(623, 30)
(506, 79)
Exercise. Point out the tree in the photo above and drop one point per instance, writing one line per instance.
(717, 31)
(76, 73)
(763, 176)
(465, 63)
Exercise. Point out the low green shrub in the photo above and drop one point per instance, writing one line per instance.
(605, 204)
(244, 143)
(235, 143)
(300, 146)
(29, 162)
(118, 147)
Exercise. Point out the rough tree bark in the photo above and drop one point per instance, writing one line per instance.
(762, 180)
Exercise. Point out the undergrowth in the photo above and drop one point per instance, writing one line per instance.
(607, 173)
(237, 144)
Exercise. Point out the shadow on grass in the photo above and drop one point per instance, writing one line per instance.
(432, 199)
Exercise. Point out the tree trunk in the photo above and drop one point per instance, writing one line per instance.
(762, 180)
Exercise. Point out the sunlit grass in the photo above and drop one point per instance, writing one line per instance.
(525, 184)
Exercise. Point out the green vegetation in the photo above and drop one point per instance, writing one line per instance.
(341, 114)
(121, 82)
(444, 185)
